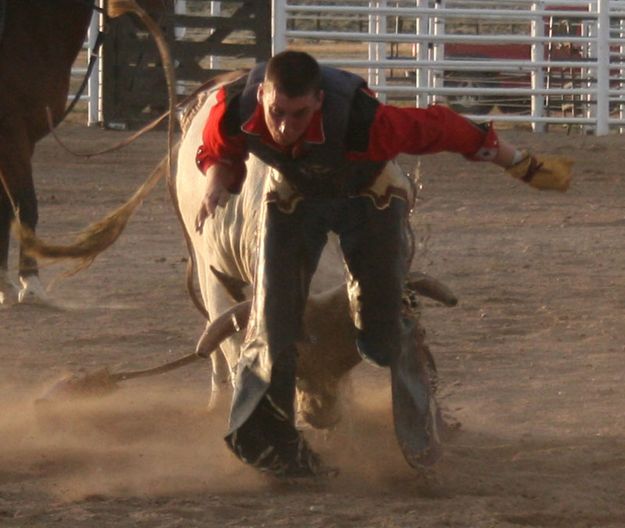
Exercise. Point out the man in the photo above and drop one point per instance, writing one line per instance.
(331, 144)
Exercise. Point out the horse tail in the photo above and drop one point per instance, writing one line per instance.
(96, 237)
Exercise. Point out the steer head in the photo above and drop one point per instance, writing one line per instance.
(318, 404)
(326, 356)
(330, 351)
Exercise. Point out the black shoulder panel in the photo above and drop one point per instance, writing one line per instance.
(362, 113)
(232, 121)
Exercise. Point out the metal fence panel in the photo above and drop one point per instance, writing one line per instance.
(541, 62)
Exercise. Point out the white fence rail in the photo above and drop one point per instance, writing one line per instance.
(541, 62)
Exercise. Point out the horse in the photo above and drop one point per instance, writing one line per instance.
(38, 46)
(41, 41)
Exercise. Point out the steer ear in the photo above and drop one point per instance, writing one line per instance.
(233, 286)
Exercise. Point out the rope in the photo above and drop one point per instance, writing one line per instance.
(230, 322)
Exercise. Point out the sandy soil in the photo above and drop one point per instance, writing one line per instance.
(531, 362)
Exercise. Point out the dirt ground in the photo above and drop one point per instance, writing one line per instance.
(531, 362)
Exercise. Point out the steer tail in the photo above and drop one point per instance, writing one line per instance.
(96, 237)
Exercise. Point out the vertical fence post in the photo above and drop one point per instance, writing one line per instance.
(421, 53)
(603, 68)
(590, 51)
(180, 8)
(538, 73)
(278, 26)
(621, 76)
(377, 51)
(436, 52)
(371, 28)
(94, 85)
(215, 11)
(382, 48)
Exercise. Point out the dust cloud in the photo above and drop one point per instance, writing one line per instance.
(155, 439)
(143, 440)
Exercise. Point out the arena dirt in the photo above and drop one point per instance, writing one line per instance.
(531, 363)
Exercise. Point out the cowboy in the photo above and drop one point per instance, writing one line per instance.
(331, 144)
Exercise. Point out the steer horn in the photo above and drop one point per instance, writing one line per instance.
(103, 382)
(430, 287)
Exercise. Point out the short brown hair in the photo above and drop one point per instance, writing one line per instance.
(294, 73)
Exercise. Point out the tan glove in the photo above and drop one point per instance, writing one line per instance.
(545, 172)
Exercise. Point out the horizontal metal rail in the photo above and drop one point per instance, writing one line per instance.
(510, 65)
(504, 14)
(410, 90)
(434, 39)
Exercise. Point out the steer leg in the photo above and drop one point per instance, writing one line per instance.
(220, 382)
(223, 360)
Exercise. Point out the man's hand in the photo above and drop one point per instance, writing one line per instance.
(542, 171)
(215, 195)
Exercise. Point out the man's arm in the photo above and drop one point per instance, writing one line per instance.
(221, 158)
(380, 132)
(219, 179)
(394, 130)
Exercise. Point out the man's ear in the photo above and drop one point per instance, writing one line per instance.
(259, 93)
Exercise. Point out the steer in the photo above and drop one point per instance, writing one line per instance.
(225, 255)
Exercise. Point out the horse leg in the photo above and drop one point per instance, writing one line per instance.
(16, 149)
(8, 289)
(32, 290)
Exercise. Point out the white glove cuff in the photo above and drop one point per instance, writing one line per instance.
(519, 155)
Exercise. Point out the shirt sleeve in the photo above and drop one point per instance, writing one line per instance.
(395, 130)
(219, 146)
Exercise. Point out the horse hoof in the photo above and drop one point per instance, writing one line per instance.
(8, 292)
(8, 296)
(32, 291)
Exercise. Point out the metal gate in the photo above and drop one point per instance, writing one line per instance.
(553, 62)
(128, 88)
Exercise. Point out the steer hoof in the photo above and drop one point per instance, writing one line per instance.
(32, 291)
(318, 417)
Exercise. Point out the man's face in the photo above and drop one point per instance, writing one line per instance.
(287, 118)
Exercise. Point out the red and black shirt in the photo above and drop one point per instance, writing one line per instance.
(371, 133)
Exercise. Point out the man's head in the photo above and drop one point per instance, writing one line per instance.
(290, 94)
